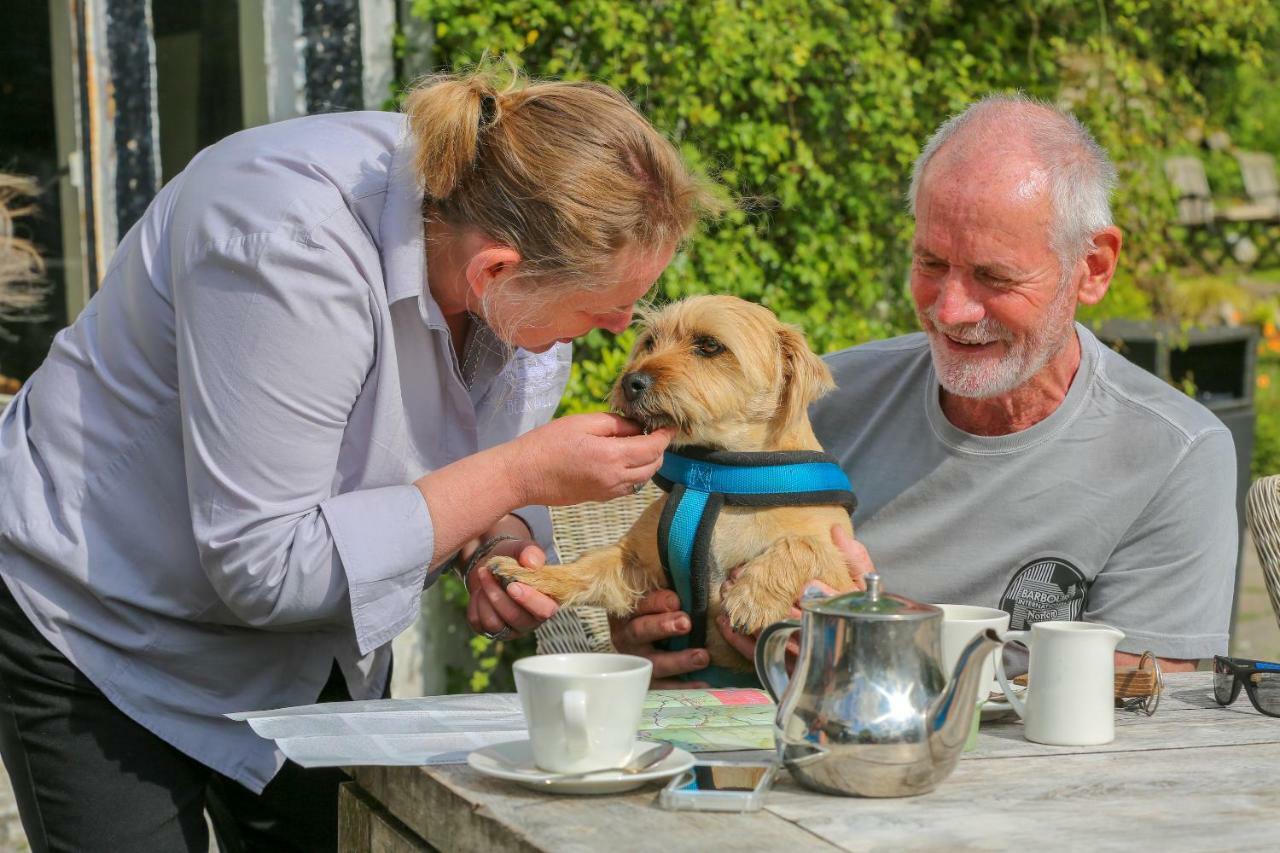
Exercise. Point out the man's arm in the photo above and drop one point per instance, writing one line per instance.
(1166, 664)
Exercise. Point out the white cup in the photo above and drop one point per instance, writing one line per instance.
(1070, 683)
(960, 624)
(583, 710)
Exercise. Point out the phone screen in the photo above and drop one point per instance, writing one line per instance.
(725, 777)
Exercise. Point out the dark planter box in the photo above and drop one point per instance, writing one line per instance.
(1219, 363)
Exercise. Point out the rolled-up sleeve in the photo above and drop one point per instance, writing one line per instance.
(276, 338)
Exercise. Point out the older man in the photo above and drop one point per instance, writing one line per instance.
(1003, 456)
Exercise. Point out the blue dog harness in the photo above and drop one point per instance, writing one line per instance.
(700, 483)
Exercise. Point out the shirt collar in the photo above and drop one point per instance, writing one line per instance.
(404, 266)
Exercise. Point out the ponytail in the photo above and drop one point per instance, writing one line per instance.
(567, 174)
(445, 115)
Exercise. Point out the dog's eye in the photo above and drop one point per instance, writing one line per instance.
(707, 346)
(647, 343)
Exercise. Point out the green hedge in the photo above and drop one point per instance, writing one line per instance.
(812, 113)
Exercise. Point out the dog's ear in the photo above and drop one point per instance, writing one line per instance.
(805, 377)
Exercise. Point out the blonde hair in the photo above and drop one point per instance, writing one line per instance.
(20, 264)
(567, 174)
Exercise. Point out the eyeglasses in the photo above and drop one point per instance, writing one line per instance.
(1261, 681)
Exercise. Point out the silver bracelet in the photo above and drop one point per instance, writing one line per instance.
(480, 553)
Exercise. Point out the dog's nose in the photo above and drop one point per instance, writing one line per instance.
(635, 384)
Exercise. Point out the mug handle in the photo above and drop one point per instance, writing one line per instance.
(771, 656)
(575, 723)
(1017, 704)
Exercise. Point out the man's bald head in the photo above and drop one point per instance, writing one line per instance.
(1049, 149)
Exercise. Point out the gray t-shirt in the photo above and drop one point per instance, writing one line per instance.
(1118, 508)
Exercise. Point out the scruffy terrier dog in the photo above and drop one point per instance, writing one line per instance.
(728, 376)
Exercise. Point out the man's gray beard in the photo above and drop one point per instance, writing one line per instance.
(980, 379)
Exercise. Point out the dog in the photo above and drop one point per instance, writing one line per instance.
(727, 375)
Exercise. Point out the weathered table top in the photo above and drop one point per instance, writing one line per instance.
(1195, 776)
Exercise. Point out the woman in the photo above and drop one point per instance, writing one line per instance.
(317, 369)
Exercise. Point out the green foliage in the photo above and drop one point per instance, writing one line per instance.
(812, 113)
(1266, 439)
(485, 671)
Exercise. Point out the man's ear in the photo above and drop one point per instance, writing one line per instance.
(805, 377)
(1100, 265)
(487, 266)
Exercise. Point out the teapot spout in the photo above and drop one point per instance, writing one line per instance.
(951, 715)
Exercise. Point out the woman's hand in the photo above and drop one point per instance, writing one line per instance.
(582, 458)
(658, 617)
(500, 613)
(507, 613)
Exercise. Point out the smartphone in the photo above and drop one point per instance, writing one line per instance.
(719, 786)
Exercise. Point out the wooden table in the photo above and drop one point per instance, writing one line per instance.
(1195, 776)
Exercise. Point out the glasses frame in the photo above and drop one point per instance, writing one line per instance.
(1240, 670)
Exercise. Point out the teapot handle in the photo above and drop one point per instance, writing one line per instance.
(771, 656)
(1017, 704)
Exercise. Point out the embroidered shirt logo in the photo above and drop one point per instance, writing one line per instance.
(1047, 588)
(535, 382)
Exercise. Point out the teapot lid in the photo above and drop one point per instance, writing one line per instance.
(873, 603)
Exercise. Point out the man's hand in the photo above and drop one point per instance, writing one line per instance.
(658, 617)
(1166, 664)
(855, 555)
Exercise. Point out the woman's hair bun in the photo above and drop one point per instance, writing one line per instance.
(447, 116)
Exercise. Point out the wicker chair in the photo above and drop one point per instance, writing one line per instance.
(1262, 510)
(579, 529)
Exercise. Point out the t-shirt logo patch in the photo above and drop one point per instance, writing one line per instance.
(1048, 588)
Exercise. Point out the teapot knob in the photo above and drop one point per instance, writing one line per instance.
(873, 586)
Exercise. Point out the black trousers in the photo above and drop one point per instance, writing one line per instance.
(88, 778)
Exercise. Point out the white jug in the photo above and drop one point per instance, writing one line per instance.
(1071, 683)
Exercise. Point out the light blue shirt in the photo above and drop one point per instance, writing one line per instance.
(208, 483)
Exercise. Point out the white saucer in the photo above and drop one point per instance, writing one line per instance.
(998, 706)
(513, 761)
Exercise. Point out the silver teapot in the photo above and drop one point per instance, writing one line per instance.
(868, 711)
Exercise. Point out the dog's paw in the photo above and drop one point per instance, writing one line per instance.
(551, 581)
(507, 569)
(750, 612)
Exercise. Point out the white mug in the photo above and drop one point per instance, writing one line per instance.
(960, 624)
(1071, 683)
(583, 710)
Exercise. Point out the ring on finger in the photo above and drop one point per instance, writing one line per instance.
(636, 487)
(498, 636)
